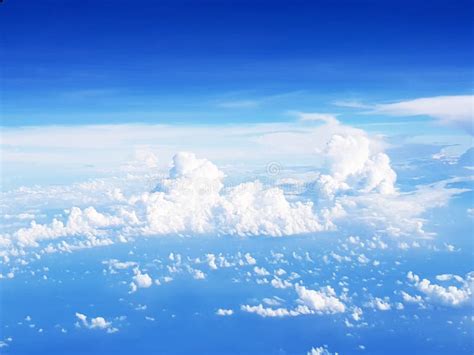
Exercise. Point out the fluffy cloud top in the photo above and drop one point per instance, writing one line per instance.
(320, 350)
(142, 280)
(95, 323)
(357, 189)
(269, 312)
(79, 222)
(192, 200)
(224, 312)
(450, 295)
(353, 164)
(323, 301)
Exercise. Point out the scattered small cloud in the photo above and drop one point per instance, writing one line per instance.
(94, 323)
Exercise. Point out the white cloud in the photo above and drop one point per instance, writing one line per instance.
(79, 222)
(320, 350)
(358, 190)
(141, 280)
(320, 302)
(450, 295)
(279, 283)
(261, 271)
(211, 261)
(269, 312)
(102, 148)
(95, 323)
(198, 274)
(407, 298)
(119, 265)
(224, 312)
(357, 314)
(252, 209)
(380, 304)
(250, 259)
(354, 163)
(452, 110)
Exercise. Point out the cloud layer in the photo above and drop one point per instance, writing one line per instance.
(355, 189)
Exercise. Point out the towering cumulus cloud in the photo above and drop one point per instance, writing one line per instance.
(193, 200)
(185, 201)
(353, 165)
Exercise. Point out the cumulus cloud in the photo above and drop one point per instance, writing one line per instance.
(191, 200)
(380, 304)
(198, 274)
(79, 222)
(357, 189)
(407, 298)
(279, 283)
(140, 280)
(261, 271)
(452, 110)
(323, 301)
(224, 312)
(252, 209)
(353, 164)
(268, 311)
(95, 323)
(320, 350)
(115, 264)
(451, 295)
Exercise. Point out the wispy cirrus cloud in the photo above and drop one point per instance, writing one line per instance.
(330, 118)
(454, 110)
(239, 104)
(450, 110)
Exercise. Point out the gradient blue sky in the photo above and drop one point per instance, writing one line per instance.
(225, 177)
(76, 62)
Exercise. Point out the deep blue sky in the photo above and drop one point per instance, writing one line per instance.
(188, 61)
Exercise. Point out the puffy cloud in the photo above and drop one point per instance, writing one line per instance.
(140, 280)
(95, 323)
(357, 190)
(185, 201)
(320, 350)
(224, 312)
(250, 259)
(251, 209)
(261, 271)
(279, 283)
(357, 314)
(309, 301)
(119, 265)
(198, 274)
(453, 110)
(380, 304)
(353, 164)
(407, 298)
(269, 312)
(211, 261)
(87, 222)
(454, 296)
(320, 302)
(374, 211)
(190, 200)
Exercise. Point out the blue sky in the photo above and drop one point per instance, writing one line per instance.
(213, 61)
(219, 177)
